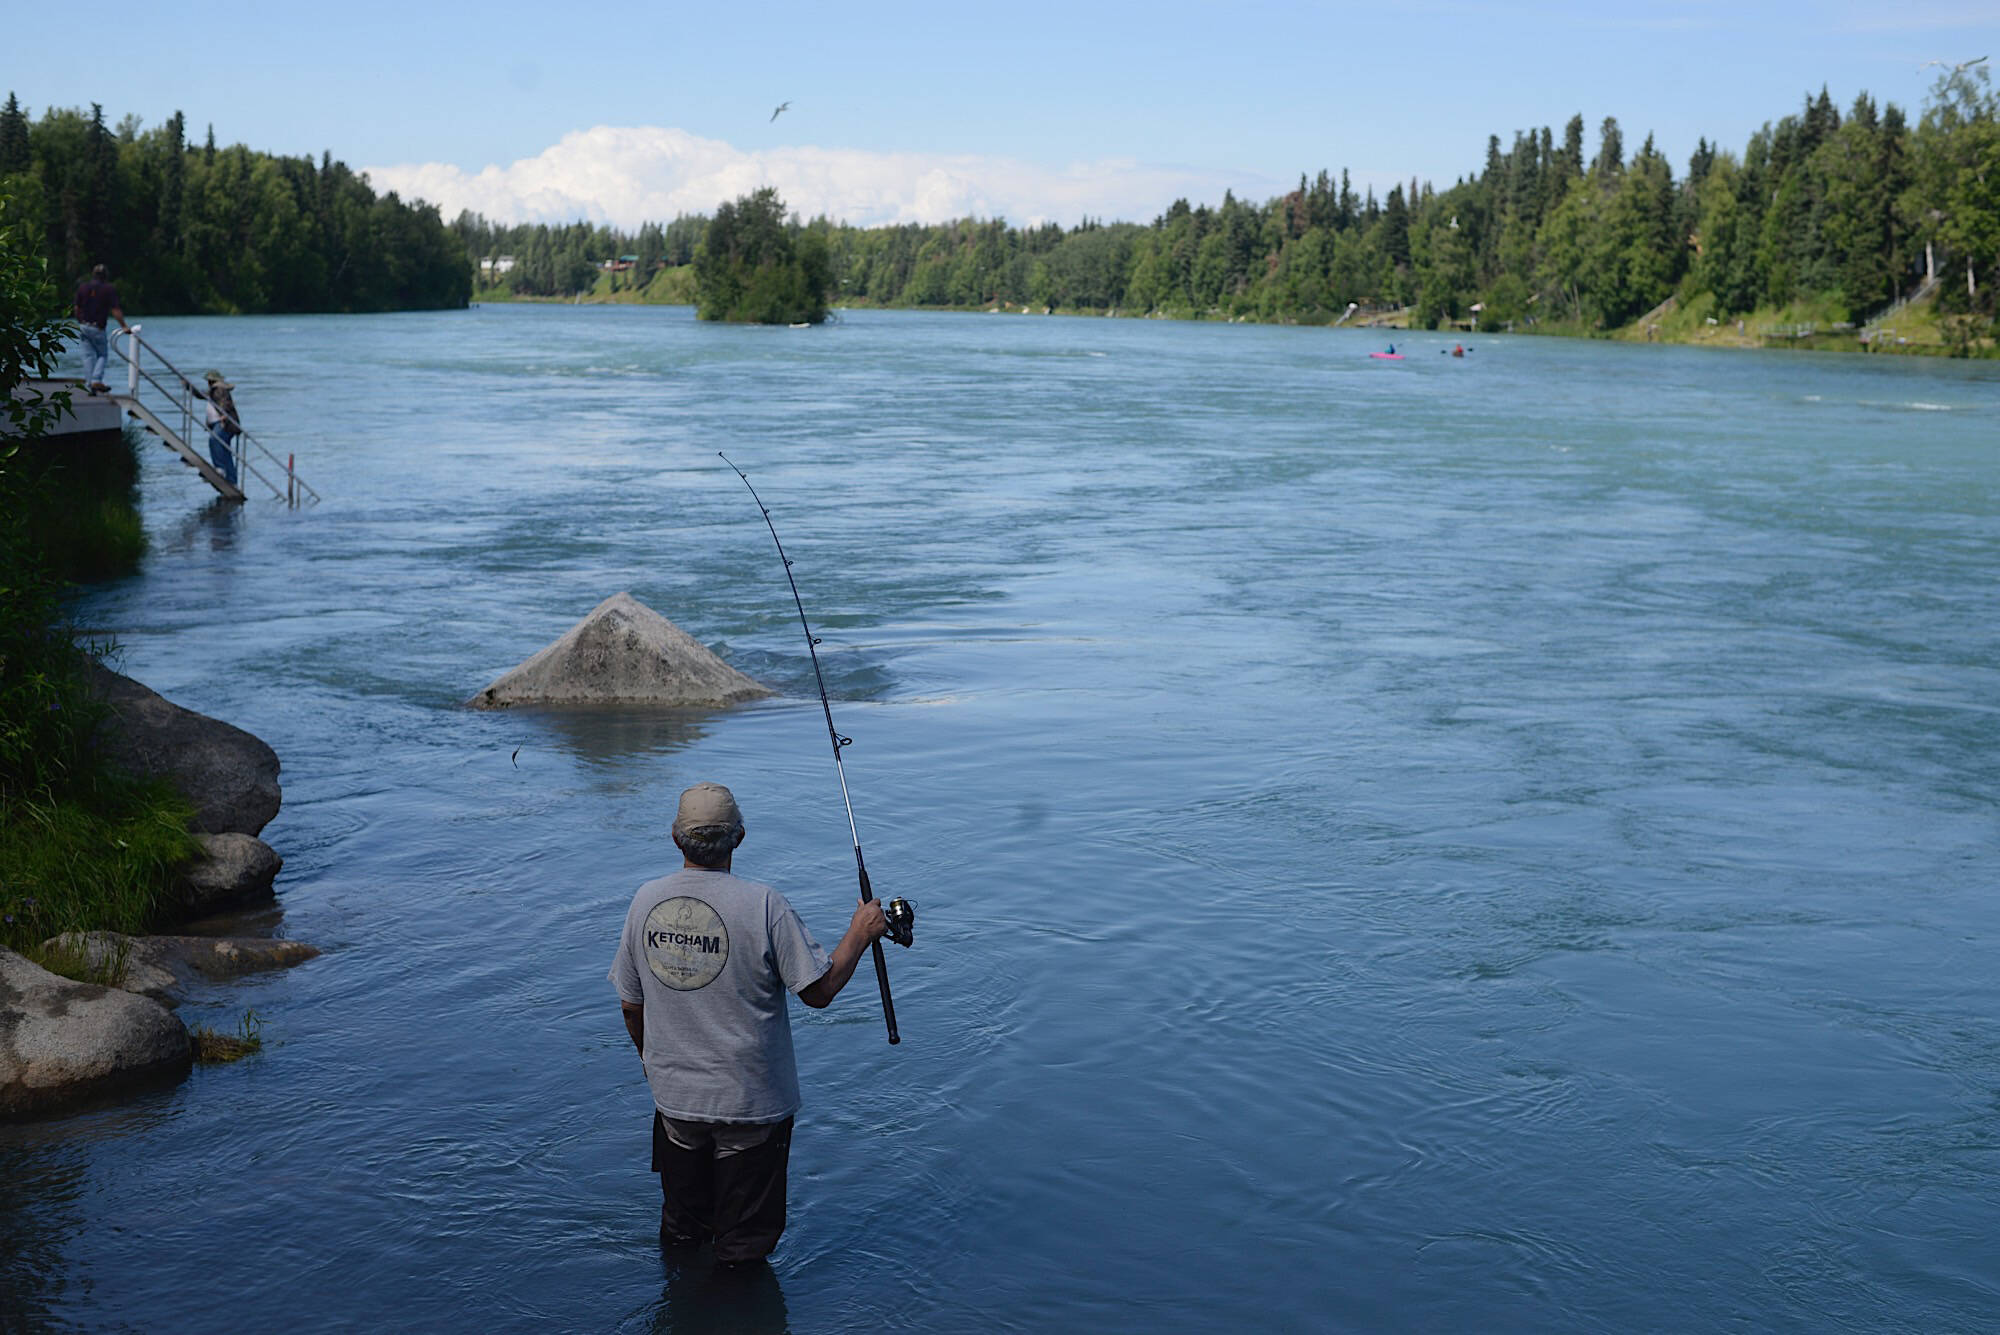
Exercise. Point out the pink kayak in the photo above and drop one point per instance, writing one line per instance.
(1387, 356)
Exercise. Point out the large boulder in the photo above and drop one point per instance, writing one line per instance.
(161, 967)
(235, 869)
(63, 1041)
(623, 653)
(229, 776)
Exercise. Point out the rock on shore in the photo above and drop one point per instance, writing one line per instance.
(622, 653)
(237, 870)
(62, 1041)
(161, 967)
(229, 775)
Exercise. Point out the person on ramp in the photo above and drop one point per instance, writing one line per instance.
(702, 970)
(96, 301)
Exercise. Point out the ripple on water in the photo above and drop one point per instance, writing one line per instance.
(1412, 850)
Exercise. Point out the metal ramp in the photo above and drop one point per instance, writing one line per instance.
(173, 415)
(174, 441)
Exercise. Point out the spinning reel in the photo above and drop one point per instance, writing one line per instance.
(902, 918)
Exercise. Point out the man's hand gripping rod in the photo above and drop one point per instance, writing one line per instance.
(900, 914)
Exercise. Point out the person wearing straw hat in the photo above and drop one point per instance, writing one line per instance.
(702, 970)
(223, 425)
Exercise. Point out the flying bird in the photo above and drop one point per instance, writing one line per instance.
(1959, 68)
(783, 107)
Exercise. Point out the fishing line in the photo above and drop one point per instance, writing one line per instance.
(900, 914)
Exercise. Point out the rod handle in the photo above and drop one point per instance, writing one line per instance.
(875, 948)
(882, 980)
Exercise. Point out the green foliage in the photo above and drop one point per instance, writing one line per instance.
(1506, 302)
(753, 267)
(1955, 195)
(44, 711)
(84, 520)
(100, 860)
(47, 712)
(215, 1046)
(567, 260)
(221, 230)
(1565, 246)
(80, 847)
(70, 956)
(1815, 207)
(15, 155)
(33, 325)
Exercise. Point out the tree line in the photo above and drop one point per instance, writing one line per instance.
(563, 259)
(1849, 211)
(199, 228)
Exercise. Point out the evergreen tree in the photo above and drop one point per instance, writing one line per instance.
(99, 201)
(1565, 243)
(173, 183)
(1818, 122)
(1610, 159)
(1700, 163)
(14, 154)
(1396, 227)
(752, 267)
(1571, 159)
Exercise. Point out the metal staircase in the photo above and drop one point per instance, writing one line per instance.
(170, 412)
(1882, 317)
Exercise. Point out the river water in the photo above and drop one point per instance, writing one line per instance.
(1503, 843)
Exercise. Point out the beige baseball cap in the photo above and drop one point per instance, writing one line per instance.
(707, 804)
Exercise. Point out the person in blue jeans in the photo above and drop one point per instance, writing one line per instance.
(96, 300)
(223, 425)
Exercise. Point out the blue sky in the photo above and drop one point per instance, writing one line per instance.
(903, 110)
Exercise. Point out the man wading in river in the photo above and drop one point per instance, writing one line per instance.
(702, 971)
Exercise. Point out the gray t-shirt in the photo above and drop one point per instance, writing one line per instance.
(711, 956)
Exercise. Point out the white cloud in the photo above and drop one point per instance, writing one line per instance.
(626, 175)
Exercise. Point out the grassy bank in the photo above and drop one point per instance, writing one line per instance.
(84, 523)
(1916, 330)
(99, 857)
(81, 847)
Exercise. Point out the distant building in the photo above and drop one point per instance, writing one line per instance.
(496, 265)
(623, 264)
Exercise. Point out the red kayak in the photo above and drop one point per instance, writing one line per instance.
(1387, 356)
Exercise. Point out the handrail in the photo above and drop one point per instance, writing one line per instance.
(189, 391)
(1896, 307)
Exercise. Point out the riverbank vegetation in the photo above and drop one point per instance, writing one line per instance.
(219, 1046)
(664, 287)
(82, 847)
(525, 261)
(1855, 216)
(1842, 214)
(190, 228)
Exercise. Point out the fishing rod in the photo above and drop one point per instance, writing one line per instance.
(900, 914)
